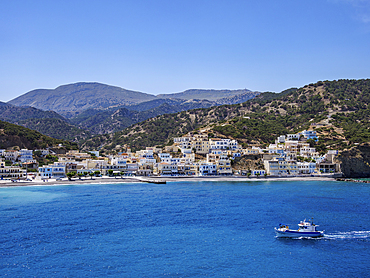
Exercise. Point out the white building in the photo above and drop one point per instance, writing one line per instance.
(309, 134)
(206, 169)
(56, 170)
(292, 137)
(11, 155)
(25, 156)
(306, 167)
(219, 144)
(258, 172)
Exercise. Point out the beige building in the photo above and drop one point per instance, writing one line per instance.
(280, 166)
(200, 145)
(224, 166)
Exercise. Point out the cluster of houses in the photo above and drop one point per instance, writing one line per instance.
(194, 154)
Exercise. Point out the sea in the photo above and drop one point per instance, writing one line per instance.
(184, 229)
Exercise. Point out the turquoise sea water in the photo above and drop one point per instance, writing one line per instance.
(184, 229)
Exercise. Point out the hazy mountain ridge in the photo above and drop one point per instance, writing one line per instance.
(79, 97)
(74, 98)
(211, 95)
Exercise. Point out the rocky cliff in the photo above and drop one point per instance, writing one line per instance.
(355, 163)
(248, 162)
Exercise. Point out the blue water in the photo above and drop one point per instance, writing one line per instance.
(184, 229)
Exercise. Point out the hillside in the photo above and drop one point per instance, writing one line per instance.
(56, 128)
(337, 110)
(48, 123)
(237, 98)
(160, 130)
(177, 104)
(113, 120)
(211, 95)
(12, 113)
(13, 135)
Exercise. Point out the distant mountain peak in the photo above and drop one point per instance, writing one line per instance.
(80, 96)
(74, 98)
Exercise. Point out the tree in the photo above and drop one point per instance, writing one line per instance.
(110, 172)
(70, 175)
(91, 174)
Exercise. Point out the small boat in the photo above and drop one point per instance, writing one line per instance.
(155, 181)
(306, 229)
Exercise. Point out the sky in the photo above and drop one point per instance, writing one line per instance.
(168, 46)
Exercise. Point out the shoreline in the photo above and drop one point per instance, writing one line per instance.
(160, 179)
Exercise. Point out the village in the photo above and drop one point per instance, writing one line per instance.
(194, 154)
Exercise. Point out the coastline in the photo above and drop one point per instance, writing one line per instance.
(160, 179)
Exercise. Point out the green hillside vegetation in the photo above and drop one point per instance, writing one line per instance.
(114, 120)
(177, 104)
(48, 123)
(13, 135)
(337, 110)
(160, 130)
(237, 98)
(56, 128)
(211, 95)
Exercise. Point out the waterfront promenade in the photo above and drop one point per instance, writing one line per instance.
(133, 179)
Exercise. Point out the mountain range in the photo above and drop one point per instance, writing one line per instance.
(79, 97)
(69, 100)
(78, 111)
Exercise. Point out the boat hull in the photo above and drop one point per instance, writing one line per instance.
(294, 233)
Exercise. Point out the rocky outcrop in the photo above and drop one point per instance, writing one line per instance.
(248, 162)
(355, 163)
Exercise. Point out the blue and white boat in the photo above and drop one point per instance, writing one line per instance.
(306, 229)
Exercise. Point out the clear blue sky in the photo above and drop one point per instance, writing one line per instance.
(160, 46)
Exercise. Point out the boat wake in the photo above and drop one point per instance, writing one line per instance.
(349, 235)
(338, 236)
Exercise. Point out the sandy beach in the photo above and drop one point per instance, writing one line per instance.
(155, 179)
